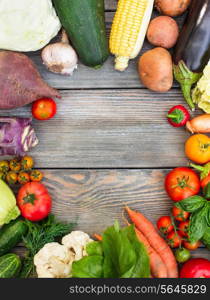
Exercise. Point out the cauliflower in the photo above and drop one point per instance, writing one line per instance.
(53, 261)
(201, 93)
(76, 242)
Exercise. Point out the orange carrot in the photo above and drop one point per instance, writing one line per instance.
(157, 266)
(155, 240)
(97, 237)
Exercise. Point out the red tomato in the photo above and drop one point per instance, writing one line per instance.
(182, 183)
(174, 239)
(34, 201)
(179, 214)
(164, 224)
(183, 227)
(44, 109)
(196, 268)
(191, 246)
(205, 181)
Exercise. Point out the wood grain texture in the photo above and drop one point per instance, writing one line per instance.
(109, 129)
(105, 77)
(95, 198)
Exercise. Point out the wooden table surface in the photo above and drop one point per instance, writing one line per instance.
(109, 144)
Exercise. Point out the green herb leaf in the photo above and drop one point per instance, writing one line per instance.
(206, 191)
(206, 238)
(142, 267)
(88, 267)
(198, 224)
(119, 250)
(94, 248)
(191, 204)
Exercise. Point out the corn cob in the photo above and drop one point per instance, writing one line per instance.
(129, 30)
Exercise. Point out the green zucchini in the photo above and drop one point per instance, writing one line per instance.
(11, 234)
(84, 22)
(10, 265)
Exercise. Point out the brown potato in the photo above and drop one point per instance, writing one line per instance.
(163, 32)
(155, 70)
(172, 8)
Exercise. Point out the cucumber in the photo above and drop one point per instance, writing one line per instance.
(10, 265)
(84, 22)
(11, 234)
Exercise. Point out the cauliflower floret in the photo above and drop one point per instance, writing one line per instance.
(53, 261)
(76, 242)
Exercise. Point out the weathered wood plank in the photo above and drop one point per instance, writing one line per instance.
(110, 4)
(87, 78)
(95, 198)
(109, 129)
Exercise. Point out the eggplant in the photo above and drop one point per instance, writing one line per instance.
(192, 51)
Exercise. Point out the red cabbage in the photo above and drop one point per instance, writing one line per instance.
(17, 136)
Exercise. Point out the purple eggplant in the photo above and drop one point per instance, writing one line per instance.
(192, 51)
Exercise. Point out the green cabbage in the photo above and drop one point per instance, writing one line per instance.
(8, 208)
(27, 25)
(201, 93)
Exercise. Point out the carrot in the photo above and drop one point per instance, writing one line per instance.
(200, 124)
(97, 237)
(155, 240)
(157, 266)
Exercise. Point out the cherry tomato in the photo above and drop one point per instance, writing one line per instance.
(11, 177)
(179, 214)
(174, 239)
(34, 201)
(182, 183)
(23, 177)
(164, 224)
(27, 163)
(197, 148)
(36, 175)
(196, 268)
(183, 228)
(205, 181)
(15, 165)
(182, 255)
(191, 246)
(4, 166)
(44, 109)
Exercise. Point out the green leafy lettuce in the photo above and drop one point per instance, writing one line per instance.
(119, 255)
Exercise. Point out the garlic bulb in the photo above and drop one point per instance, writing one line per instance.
(60, 57)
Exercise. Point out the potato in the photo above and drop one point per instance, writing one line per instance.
(155, 70)
(163, 32)
(172, 8)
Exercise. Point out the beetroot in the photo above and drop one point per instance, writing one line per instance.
(20, 82)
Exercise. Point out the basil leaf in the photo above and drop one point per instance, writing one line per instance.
(206, 238)
(208, 215)
(191, 204)
(206, 191)
(94, 248)
(88, 267)
(198, 224)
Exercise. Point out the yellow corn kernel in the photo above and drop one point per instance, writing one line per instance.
(129, 29)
